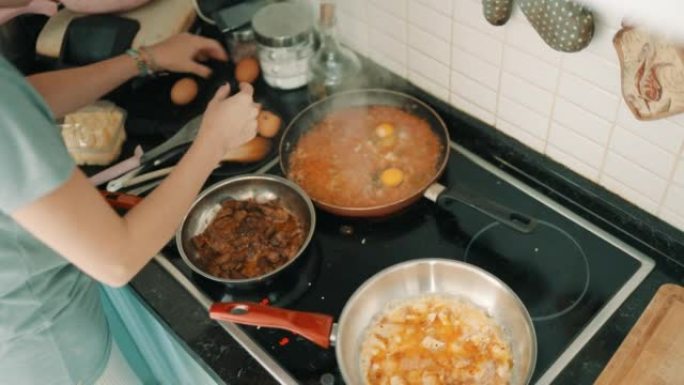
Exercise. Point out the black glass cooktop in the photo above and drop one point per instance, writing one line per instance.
(565, 274)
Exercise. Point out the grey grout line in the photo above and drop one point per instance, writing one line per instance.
(451, 49)
(553, 104)
(605, 153)
(406, 39)
(499, 94)
(670, 181)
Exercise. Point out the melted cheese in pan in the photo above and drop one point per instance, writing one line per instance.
(435, 340)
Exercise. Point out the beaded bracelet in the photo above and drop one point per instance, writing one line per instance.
(149, 58)
(144, 68)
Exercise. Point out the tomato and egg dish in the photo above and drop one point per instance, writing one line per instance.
(366, 157)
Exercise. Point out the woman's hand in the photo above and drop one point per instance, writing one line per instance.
(182, 53)
(230, 121)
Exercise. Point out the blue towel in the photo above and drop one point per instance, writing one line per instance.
(153, 352)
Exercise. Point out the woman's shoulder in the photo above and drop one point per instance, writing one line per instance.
(16, 90)
(33, 158)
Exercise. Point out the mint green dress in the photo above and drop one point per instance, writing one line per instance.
(56, 323)
(52, 326)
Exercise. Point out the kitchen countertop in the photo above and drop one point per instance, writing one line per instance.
(149, 118)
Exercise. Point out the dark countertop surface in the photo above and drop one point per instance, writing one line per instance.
(152, 117)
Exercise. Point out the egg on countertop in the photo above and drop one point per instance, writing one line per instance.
(268, 124)
(247, 70)
(184, 91)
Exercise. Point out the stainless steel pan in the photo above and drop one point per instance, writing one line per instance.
(402, 281)
(250, 186)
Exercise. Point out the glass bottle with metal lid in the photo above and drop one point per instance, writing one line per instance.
(284, 35)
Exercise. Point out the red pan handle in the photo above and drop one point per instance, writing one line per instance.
(120, 200)
(312, 326)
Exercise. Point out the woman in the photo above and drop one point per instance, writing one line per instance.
(58, 237)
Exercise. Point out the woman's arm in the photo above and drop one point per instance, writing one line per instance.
(69, 89)
(76, 222)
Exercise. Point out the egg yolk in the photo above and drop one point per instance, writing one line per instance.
(387, 142)
(384, 130)
(392, 177)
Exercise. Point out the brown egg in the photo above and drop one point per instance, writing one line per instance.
(247, 70)
(184, 91)
(268, 124)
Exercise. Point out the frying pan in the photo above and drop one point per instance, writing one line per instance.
(399, 282)
(261, 188)
(432, 190)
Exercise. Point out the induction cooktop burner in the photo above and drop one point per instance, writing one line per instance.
(547, 268)
(552, 269)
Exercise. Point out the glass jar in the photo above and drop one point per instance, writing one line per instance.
(241, 44)
(284, 35)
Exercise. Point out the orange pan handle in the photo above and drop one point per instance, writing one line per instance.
(312, 326)
(120, 200)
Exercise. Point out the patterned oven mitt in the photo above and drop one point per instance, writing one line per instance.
(497, 12)
(563, 24)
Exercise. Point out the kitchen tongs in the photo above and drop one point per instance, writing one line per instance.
(160, 154)
(185, 135)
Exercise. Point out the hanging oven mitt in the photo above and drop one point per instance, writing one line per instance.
(652, 74)
(563, 24)
(497, 12)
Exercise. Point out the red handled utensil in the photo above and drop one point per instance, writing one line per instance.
(120, 200)
(315, 327)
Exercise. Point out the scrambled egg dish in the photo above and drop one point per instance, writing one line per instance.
(435, 340)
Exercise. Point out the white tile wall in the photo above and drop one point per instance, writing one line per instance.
(639, 150)
(523, 117)
(428, 84)
(520, 34)
(634, 176)
(679, 173)
(395, 7)
(520, 134)
(475, 68)
(588, 96)
(566, 105)
(443, 6)
(583, 122)
(672, 218)
(429, 19)
(473, 91)
(572, 162)
(389, 23)
(675, 200)
(594, 69)
(577, 145)
(429, 44)
(529, 95)
(477, 43)
(530, 68)
(473, 109)
(428, 66)
(630, 194)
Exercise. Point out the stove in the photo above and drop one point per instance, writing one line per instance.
(570, 274)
